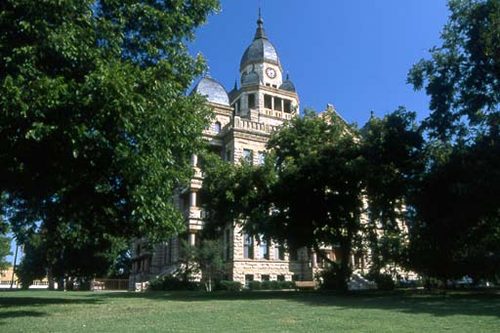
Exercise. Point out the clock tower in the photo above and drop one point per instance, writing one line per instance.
(264, 95)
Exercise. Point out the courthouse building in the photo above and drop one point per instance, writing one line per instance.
(244, 119)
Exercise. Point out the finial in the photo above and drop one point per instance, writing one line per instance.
(260, 21)
(260, 27)
(372, 114)
(235, 84)
(287, 76)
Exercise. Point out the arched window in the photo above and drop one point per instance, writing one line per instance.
(217, 127)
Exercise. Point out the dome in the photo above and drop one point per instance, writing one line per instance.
(212, 90)
(288, 85)
(260, 50)
(250, 78)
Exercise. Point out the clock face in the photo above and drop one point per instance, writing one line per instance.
(270, 72)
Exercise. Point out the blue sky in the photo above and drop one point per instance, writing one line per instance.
(354, 54)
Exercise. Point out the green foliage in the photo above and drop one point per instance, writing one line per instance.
(316, 198)
(330, 279)
(393, 153)
(205, 258)
(4, 252)
(209, 258)
(457, 230)
(457, 214)
(266, 285)
(121, 266)
(383, 281)
(95, 128)
(229, 285)
(463, 75)
(255, 285)
(169, 283)
(34, 263)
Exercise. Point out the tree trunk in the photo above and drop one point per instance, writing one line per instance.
(50, 279)
(14, 267)
(60, 284)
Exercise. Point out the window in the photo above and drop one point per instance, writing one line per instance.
(277, 104)
(261, 157)
(268, 102)
(265, 277)
(251, 101)
(279, 252)
(247, 246)
(264, 248)
(295, 277)
(228, 154)
(280, 278)
(287, 106)
(248, 155)
(294, 255)
(217, 127)
(274, 86)
(227, 239)
(248, 279)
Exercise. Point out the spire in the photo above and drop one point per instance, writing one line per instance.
(235, 84)
(260, 33)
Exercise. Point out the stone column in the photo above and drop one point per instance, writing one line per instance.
(194, 160)
(192, 199)
(192, 239)
(314, 260)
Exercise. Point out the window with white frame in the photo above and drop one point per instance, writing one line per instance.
(247, 246)
(261, 157)
(248, 155)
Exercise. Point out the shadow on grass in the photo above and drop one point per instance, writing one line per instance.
(410, 302)
(15, 303)
(12, 314)
(9, 302)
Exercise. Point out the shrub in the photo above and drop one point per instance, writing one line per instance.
(274, 285)
(383, 281)
(229, 285)
(330, 280)
(169, 282)
(265, 285)
(286, 285)
(255, 285)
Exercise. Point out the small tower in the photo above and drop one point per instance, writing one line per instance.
(263, 95)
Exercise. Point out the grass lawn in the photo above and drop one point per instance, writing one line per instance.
(45, 311)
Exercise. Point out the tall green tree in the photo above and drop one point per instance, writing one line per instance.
(95, 128)
(393, 153)
(462, 77)
(456, 227)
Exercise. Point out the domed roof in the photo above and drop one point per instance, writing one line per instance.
(250, 78)
(212, 90)
(288, 85)
(260, 50)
